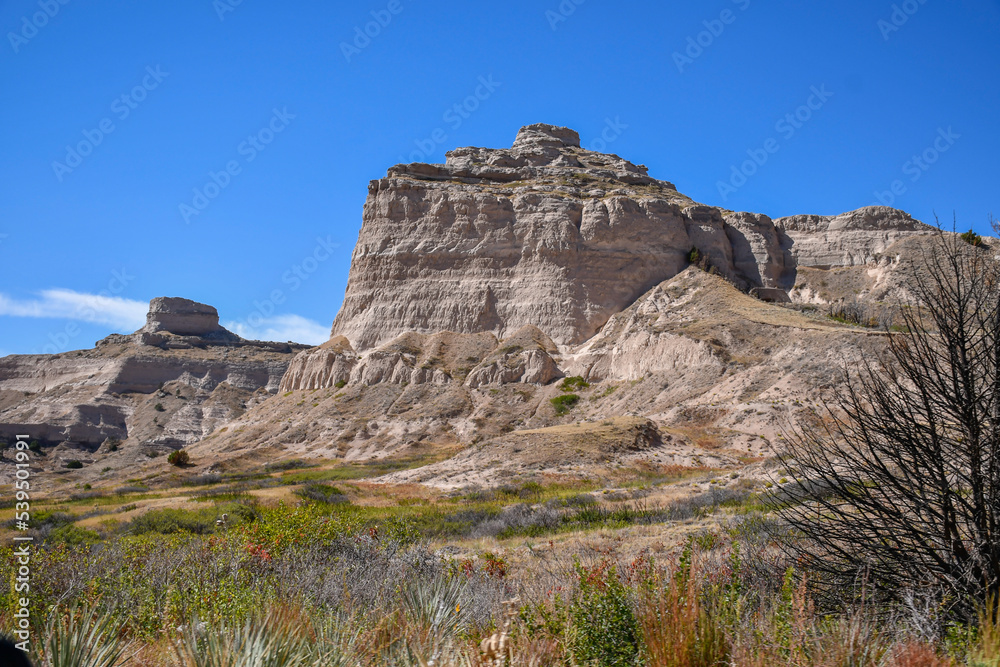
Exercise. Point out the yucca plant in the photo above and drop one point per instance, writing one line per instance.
(435, 613)
(279, 639)
(83, 637)
(438, 604)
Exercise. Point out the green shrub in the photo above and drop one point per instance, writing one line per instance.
(159, 407)
(564, 403)
(694, 256)
(322, 493)
(167, 521)
(199, 522)
(340, 384)
(74, 464)
(71, 534)
(973, 239)
(178, 458)
(36, 447)
(604, 629)
(575, 382)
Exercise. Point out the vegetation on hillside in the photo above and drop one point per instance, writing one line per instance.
(873, 545)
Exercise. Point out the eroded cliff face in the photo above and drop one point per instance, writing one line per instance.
(717, 373)
(475, 287)
(849, 239)
(550, 235)
(443, 358)
(198, 373)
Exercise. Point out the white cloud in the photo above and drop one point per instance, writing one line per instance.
(283, 328)
(124, 314)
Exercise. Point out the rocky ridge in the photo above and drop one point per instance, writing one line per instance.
(501, 302)
(477, 286)
(551, 235)
(164, 386)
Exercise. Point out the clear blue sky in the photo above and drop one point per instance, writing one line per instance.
(222, 69)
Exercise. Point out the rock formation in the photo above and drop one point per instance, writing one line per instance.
(198, 373)
(441, 358)
(849, 239)
(542, 307)
(551, 235)
(182, 317)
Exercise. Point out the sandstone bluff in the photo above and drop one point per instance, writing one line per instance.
(688, 334)
(551, 235)
(89, 402)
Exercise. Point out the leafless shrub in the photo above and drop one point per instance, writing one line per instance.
(905, 467)
(861, 313)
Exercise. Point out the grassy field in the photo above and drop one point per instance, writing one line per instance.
(317, 565)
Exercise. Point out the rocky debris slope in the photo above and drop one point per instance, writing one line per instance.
(542, 308)
(168, 384)
(555, 450)
(719, 372)
(550, 235)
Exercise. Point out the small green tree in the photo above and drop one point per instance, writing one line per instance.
(972, 238)
(178, 458)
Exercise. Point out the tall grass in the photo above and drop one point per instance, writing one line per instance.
(678, 630)
(294, 587)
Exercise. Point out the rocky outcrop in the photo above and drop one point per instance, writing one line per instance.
(181, 316)
(200, 374)
(848, 239)
(444, 358)
(524, 357)
(689, 328)
(329, 365)
(760, 250)
(550, 235)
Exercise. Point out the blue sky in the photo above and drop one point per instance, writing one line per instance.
(291, 113)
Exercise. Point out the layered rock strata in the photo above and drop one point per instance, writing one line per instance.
(168, 384)
(550, 235)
